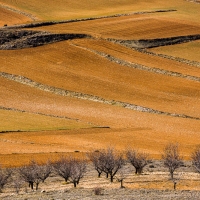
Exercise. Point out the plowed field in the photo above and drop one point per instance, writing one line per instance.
(132, 27)
(89, 73)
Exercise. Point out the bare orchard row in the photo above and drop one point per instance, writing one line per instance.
(108, 161)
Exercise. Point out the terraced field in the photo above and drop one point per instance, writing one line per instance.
(62, 91)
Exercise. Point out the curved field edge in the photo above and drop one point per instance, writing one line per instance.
(189, 51)
(13, 120)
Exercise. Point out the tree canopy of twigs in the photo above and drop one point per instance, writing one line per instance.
(96, 159)
(35, 173)
(108, 161)
(137, 159)
(172, 158)
(5, 174)
(196, 159)
(70, 169)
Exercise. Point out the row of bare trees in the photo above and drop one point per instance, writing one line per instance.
(107, 161)
(110, 162)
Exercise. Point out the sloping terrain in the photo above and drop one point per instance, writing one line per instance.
(96, 79)
(131, 27)
(8, 17)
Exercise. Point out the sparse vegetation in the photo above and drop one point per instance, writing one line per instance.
(98, 191)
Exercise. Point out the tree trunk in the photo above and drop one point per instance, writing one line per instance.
(139, 170)
(99, 174)
(172, 175)
(111, 178)
(121, 181)
(74, 184)
(174, 185)
(106, 175)
(66, 179)
(31, 185)
(37, 184)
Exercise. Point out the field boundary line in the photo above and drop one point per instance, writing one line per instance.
(46, 115)
(48, 23)
(30, 16)
(36, 113)
(177, 59)
(79, 95)
(139, 66)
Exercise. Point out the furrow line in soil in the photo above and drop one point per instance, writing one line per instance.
(89, 97)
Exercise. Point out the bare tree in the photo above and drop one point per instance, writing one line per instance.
(17, 184)
(95, 157)
(35, 173)
(137, 159)
(5, 174)
(28, 173)
(77, 171)
(196, 159)
(172, 158)
(111, 162)
(120, 177)
(70, 169)
(45, 169)
(63, 167)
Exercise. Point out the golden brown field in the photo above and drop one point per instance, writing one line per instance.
(188, 51)
(8, 17)
(83, 91)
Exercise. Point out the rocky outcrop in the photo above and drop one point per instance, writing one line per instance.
(150, 43)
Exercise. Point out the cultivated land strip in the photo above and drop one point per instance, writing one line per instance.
(39, 24)
(178, 59)
(37, 113)
(139, 66)
(59, 91)
(30, 16)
